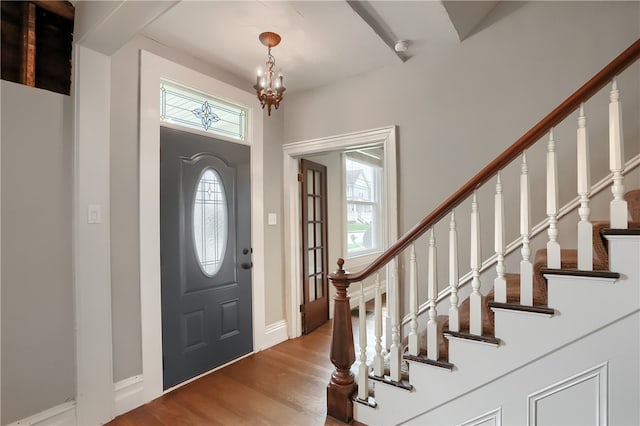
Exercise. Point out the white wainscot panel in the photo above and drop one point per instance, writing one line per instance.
(492, 418)
(578, 400)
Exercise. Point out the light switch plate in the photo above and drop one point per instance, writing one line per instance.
(94, 214)
(272, 219)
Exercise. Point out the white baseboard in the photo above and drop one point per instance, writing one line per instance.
(275, 333)
(60, 415)
(129, 394)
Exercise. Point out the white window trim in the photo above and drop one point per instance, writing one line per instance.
(365, 257)
(385, 137)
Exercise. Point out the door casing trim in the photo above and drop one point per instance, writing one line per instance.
(152, 69)
(384, 136)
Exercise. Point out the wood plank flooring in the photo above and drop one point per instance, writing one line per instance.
(283, 385)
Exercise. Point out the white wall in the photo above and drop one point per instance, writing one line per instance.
(124, 199)
(38, 360)
(461, 105)
(273, 203)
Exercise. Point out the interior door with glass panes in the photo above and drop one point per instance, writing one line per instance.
(315, 271)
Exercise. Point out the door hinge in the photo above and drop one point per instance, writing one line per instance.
(302, 308)
(300, 177)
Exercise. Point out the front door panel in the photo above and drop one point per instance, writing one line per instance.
(205, 253)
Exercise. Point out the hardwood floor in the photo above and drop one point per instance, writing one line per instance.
(283, 385)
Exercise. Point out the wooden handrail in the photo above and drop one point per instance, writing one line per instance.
(562, 111)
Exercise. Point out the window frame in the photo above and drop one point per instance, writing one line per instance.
(208, 110)
(362, 257)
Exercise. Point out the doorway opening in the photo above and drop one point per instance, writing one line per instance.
(153, 71)
(335, 152)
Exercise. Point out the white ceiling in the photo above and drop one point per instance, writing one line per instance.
(322, 41)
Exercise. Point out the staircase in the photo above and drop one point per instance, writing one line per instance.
(556, 342)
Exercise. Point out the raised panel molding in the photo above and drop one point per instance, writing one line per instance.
(597, 375)
(493, 418)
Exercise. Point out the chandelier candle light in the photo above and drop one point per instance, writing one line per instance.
(268, 87)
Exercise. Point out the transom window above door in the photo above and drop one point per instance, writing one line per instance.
(191, 108)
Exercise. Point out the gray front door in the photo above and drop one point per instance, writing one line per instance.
(205, 244)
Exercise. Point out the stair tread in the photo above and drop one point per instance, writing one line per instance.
(403, 383)
(422, 358)
(523, 308)
(443, 344)
(485, 338)
(580, 273)
(616, 231)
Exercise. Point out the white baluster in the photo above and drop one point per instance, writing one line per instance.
(413, 302)
(618, 207)
(553, 247)
(363, 370)
(395, 349)
(432, 282)
(526, 267)
(454, 321)
(500, 283)
(585, 228)
(475, 313)
(378, 358)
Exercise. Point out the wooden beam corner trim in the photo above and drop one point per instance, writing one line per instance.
(60, 8)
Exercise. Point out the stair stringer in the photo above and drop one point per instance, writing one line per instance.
(530, 337)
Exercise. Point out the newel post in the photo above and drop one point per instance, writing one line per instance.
(342, 384)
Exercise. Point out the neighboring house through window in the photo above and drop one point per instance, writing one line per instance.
(363, 180)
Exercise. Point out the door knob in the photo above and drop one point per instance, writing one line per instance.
(246, 265)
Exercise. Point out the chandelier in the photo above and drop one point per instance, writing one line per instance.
(268, 87)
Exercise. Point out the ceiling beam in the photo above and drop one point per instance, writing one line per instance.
(368, 14)
(60, 8)
(106, 26)
(466, 16)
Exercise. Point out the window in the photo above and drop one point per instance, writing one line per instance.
(363, 180)
(210, 225)
(193, 109)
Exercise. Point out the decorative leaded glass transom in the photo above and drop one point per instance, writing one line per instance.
(191, 108)
(210, 224)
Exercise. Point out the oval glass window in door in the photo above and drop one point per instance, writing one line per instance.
(210, 224)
